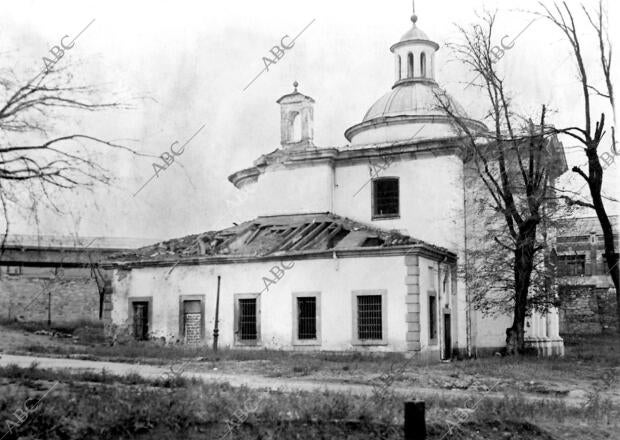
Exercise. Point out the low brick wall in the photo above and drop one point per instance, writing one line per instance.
(26, 298)
(587, 310)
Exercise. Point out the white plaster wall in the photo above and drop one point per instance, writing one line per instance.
(290, 191)
(431, 198)
(334, 278)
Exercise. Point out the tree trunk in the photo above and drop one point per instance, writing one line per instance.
(595, 184)
(523, 266)
(610, 252)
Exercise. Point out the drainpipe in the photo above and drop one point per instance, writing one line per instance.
(216, 331)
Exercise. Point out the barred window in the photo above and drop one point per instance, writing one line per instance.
(306, 318)
(385, 197)
(247, 319)
(369, 319)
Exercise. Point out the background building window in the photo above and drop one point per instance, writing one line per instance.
(571, 265)
(14, 270)
(385, 194)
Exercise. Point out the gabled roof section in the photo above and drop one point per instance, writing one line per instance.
(276, 236)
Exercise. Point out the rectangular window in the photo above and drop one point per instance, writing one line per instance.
(571, 265)
(385, 198)
(369, 317)
(14, 270)
(432, 318)
(306, 318)
(247, 319)
(369, 320)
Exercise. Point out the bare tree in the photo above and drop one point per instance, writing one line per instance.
(514, 162)
(33, 161)
(588, 136)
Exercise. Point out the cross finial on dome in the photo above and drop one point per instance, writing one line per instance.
(414, 17)
(295, 84)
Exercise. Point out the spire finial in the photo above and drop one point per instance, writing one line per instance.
(295, 84)
(414, 18)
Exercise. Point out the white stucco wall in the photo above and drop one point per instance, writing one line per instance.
(335, 279)
(290, 191)
(431, 198)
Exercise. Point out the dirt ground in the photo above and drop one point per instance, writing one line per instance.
(586, 380)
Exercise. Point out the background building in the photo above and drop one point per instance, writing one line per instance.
(55, 276)
(587, 294)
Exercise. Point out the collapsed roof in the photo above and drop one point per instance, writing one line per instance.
(276, 236)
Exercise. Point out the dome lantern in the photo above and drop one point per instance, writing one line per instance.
(414, 55)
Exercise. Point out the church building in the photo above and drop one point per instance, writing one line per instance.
(361, 253)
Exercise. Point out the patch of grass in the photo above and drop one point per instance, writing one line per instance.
(33, 373)
(70, 327)
(103, 406)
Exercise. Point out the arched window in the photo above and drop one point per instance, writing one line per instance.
(423, 65)
(410, 65)
(295, 133)
(400, 68)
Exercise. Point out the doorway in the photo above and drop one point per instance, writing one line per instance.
(140, 320)
(447, 337)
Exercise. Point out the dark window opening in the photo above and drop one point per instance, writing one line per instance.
(385, 197)
(423, 65)
(410, 65)
(140, 320)
(247, 319)
(14, 270)
(571, 265)
(306, 318)
(432, 317)
(400, 67)
(369, 319)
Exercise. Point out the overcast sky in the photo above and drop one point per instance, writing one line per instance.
(184, 64)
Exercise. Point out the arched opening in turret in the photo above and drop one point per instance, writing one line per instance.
(400, 68)
(423, 65)
(295, 134)
(410, 65)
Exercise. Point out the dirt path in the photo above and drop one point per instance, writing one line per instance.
(255, 381)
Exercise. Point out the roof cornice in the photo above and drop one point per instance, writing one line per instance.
(421, 249)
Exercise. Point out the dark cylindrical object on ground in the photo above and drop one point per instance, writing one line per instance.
(415, 423)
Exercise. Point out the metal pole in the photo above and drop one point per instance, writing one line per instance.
(49, 309)
(217, 315)
(415, 424)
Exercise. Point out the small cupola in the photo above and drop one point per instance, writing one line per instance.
(296, 120)
(414, 56)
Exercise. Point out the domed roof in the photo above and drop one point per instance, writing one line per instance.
(415, 33)
(416, 98)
